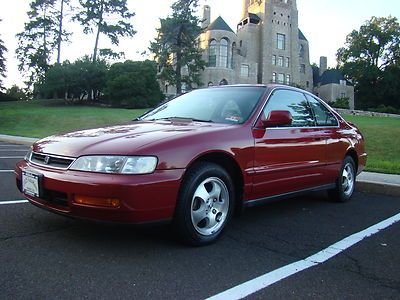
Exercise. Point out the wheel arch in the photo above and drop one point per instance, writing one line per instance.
(227, 162)
(353, 154)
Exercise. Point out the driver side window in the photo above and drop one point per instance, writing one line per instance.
(295, 103)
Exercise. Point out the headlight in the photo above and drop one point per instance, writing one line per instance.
(28, 155)
(116, 164)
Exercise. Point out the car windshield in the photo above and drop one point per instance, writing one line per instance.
(228, 105)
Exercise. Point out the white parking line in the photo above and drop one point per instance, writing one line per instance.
(13, 202)
(252, 286)
(6, 171)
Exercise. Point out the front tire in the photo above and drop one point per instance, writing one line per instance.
(205, 204)
(345, 184)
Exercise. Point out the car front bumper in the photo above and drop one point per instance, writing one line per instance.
(143, 198)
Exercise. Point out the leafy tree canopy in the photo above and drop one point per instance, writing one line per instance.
(133, 84)
(74, 81)
(371, 59)
(176, 47)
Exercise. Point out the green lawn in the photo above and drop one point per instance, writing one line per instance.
(382, 137)
(41, 118)
(47, 117)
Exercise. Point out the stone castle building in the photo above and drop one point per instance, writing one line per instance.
(267, 47)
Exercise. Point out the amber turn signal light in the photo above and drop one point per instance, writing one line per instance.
(94, 201)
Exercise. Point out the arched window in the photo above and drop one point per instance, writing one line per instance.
(233, 55)
(223, 53)
(212, 56)
(223, 82)
(302, 51)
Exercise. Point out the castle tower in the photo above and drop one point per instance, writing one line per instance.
(271, 36)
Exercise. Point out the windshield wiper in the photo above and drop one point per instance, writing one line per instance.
(183, 119)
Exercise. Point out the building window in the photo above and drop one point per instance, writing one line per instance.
(281, 78)
(244, 71)
(287, 62)
(273, 60)
(287, 79)
(303, 68)
(223, 82)
(342, 95)
(223, 53)
(302, 51)
(280, 41)
(280, 61)
(233, 55)
(212, 57)
(273, 77)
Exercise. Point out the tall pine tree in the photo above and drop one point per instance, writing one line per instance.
(108, 17)
(176, 47)
(41, 37)
(3, 51)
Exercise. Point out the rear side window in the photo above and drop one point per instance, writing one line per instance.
(323, 116)
(295, 103)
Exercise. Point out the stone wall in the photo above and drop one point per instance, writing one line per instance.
(364, 113)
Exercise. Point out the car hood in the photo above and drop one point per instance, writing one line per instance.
(119, 140)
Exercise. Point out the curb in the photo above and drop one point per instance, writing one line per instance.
(17, 139)
(386, 189)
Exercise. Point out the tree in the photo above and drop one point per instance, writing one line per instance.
(3, 51)
(74, 81)
(368, 58)
(42, 35)
(100, 16)
(133, 84)
(176, 46)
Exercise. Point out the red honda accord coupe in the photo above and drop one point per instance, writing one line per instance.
(196, 159)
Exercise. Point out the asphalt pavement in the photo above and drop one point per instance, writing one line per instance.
(46, 256)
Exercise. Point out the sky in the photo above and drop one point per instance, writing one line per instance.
(325, 23)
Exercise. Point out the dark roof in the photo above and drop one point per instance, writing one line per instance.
(301, 36)
(332, 76)
(219, 24)
(254, 17)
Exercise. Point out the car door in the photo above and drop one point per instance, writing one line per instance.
(336, 144)
(289, 158)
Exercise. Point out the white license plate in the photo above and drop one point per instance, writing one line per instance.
(31, 184)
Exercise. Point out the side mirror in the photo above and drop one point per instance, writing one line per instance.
(278, 118)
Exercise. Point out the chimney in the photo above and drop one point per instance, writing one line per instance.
(206, 16)
(323, 64)
(245, 9)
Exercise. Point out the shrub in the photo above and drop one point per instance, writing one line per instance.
(385, 109)
(133, 84)
(341, 103)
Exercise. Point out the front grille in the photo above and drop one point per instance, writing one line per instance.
(51, 160)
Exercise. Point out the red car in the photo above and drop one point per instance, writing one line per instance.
(196, 159)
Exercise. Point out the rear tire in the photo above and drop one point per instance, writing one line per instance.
(205, 204)
(345, 183)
